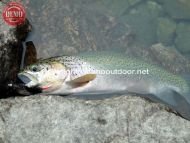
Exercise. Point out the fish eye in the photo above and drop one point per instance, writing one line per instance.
(34, 69)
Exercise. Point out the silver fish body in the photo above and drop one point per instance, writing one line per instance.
(83, 74)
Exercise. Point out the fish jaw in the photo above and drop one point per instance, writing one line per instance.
(48, 87)
(28, 79)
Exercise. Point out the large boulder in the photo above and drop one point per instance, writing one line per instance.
(142, 19)
(11, 39)
(177, 9)
(57, 119)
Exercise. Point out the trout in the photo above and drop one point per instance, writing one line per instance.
(103, 73)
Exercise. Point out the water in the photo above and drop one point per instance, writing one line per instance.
(67, 27)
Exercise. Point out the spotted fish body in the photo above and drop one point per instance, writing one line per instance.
(156, 75)
(77, 74)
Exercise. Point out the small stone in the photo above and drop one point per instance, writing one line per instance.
(183, 38)
(166, 31)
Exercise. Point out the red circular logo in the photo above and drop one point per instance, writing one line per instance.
(14, 13)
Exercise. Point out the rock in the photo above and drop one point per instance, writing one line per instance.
(79, 24)
(134, 2)
(142, 20)
(119, 7)
(177, 9)
(57, 119)
(166, 57)
(101, 25)
(170, 58)
(166, 31)
(10, 49)
(182, 39)
(115, 8)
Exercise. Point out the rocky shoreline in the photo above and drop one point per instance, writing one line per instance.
(57, 119)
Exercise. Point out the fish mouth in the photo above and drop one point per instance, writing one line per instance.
(27, 79)
(45, 87)
(31, 82)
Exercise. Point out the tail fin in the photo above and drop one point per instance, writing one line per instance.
(187, 79)
(175, 101)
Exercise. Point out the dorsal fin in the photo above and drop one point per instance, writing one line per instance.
(31, 54)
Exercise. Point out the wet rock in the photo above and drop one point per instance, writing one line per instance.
(166, 31)
(177, 9)
(182, 38)
(58, 119)
(10, 48)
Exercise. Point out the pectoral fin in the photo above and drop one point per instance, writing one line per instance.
(84, 78)
(82, 81)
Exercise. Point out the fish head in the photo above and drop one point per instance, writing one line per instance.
(45, 75)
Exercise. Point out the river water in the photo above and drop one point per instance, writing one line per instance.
(70, 26)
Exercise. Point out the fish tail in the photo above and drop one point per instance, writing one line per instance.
(187, 91)
(175, 101)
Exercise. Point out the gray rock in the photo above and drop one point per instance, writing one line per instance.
(183, 35)
(119, 7)
(115, 8)
(166, 31)
(170, 59)
(177, 9)
(165, 56)
(79, 24)
(124, 119)
(143, 22)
